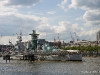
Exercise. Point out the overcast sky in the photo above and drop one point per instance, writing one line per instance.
(48, 18)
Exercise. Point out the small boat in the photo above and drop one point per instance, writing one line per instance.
(74, 55)
(17, 57)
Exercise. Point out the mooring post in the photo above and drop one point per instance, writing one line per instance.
(31, 57)
(6, 60)
(7, 57)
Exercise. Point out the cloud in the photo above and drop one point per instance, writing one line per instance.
(85, 4)
(61, 27)
(45, 30)
(66, 27)
(92, 10)
(51, 12)
(79, 18)
(16, 22)
(12, 20)
(63, 5)
(22, 2)
(92, 17)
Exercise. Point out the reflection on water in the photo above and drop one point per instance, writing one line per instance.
(89, 66)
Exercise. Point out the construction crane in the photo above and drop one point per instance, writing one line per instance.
(72, 37)
(76, 36)
(54, 39)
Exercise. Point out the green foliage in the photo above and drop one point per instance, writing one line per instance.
(82, 48)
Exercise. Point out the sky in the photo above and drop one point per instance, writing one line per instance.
(49, 18)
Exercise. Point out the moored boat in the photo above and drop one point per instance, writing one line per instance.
(74, 55)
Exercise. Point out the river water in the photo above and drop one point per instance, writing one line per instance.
(89, 66)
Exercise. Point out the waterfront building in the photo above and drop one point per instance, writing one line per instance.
(98, 37)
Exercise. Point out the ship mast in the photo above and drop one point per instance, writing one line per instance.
(19, 37)
(34, 37)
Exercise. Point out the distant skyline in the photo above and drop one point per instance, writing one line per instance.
(48, 18)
